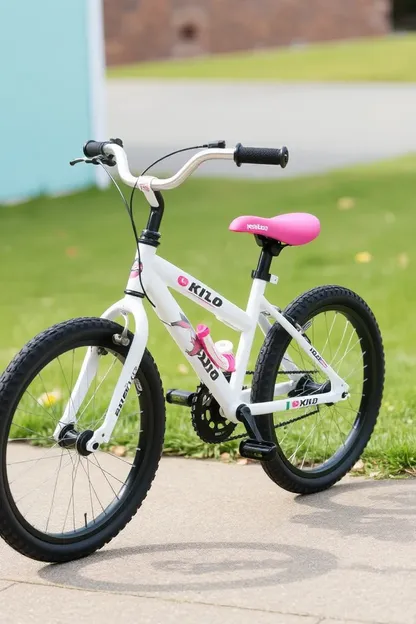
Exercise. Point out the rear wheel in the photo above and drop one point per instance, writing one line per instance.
(317, 446)
(56, 502)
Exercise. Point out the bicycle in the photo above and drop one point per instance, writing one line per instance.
(329, 396)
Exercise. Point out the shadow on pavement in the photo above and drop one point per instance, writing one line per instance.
(193, 566)
(386, 510)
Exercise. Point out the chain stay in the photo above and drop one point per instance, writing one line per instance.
(281, 424)
(285, 422)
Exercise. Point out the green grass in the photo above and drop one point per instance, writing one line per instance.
(380, 59)
(70, 256)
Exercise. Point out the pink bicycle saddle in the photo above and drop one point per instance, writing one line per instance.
(296, 228)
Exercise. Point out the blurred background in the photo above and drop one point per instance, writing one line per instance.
(335, 81)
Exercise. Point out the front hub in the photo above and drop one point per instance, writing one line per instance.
(69, 437)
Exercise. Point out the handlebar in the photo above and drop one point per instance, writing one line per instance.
(94, 148)
(253, 155)
(261, 155)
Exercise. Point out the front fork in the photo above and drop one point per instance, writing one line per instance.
(129, 305)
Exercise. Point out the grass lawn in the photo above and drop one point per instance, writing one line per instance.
(70, 256)
(383, 59)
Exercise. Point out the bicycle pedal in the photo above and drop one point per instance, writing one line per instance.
(180, 397)
(253, 449)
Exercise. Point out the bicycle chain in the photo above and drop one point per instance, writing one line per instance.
(285, 422)
(281, 424)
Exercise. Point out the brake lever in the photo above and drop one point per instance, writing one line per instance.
(76, 161)
(105, 160)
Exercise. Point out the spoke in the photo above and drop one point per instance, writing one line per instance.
(329, 334)
(349, 351)
(38, 459)
(110, 474)
(31, 491)
(341, 433)
(99, 386)
(25, 411)
(93, 402)
(310, 441)
(105, 473)
(341, 341)
(71, 500)
(53, 416)
(301, 354)
(89, 485)
(327, 443)
(353, 371)
(299, 445)
(54, 490)
(25, 461)
(92, 487)
(66, 383)
(10, 440)
(119, 458)
(40, 405)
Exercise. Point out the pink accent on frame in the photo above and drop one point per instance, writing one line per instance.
(182, 280)
(296, 228)
(136, 269)
(202, 332)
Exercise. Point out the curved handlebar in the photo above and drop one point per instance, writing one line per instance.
(114, 147)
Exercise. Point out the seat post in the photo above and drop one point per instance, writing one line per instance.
(270, 249)
(263, 266)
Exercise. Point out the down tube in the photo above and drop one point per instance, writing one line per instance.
(185, 337)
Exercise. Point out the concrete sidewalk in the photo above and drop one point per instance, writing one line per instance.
(221, 543)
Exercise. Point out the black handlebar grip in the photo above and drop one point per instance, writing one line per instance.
(261, 156)
(94, 148)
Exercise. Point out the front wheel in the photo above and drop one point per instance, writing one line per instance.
(58, 503)
(317, 446)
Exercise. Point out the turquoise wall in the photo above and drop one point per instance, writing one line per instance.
(44, 97)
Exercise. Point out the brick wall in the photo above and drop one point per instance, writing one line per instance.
(139, 30)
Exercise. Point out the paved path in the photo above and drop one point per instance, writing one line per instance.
(324, 126)
(221, 543)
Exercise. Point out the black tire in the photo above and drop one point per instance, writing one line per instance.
(48, 347)
(319, 477)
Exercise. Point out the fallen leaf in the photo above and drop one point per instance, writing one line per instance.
(403, 260)
(363, 257)
(346, 203)
(183, 369)
(243, 461)
(225, 457)
(71, 252)
(358, 466)
(120, 451)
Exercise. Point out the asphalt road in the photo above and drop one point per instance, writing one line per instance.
(325, 126)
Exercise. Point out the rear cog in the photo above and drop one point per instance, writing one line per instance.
(207, 421)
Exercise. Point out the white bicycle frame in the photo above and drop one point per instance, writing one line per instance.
(157, 276)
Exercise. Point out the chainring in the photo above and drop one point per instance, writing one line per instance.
(207, 422)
